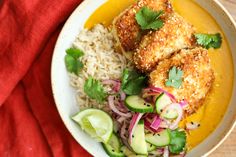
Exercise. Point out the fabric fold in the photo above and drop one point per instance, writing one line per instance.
(26, 26)
(30, 123)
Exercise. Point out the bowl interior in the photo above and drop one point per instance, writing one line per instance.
(64, 94)
(226, 125)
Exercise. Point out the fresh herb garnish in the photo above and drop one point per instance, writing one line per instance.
(75, 53)
(132, 82)
(175, 78)
(127, 76)
(149, 19)
(177, 142)
(73, 65)
(209, 40)
(94, 89)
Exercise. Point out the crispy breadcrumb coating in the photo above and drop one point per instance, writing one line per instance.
(176, 34)
(197, 79)
(125, 27)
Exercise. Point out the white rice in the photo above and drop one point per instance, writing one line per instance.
(100, 61)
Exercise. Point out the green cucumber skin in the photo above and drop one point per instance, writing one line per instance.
(158, 142)
(131, 107)
(126, 151)
(112, 154)
(140, 110)
(109, 148)
(138, 142)
(129, 153)
(158, 104)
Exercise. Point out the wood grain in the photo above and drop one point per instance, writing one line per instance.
(228, 148)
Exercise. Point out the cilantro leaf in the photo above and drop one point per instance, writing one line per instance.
(132, 82)
(175, 78)
(135, 86)
(94, 89)
(80, 66)
(209, 40)
(73, 65)
(127, 76)
(177, 142)
(75, 53)
(149, 19)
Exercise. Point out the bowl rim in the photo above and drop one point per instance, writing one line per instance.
(80, 7)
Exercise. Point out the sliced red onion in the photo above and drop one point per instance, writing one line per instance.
(160, 150)
(115, 84)
(122, 95)
(157, 152)
(123, 131)
(117, 87)
(160, 90)
(124, 135)
(164, 125)
(135, 119)
(147, 125)
(121, 107)
(156, 123)
(106, 108)
(148, 120)
(150, 115)
(121, 119)
(115, 110)
(183, 103)
(148, 94)
(179, 110)
(166, 152)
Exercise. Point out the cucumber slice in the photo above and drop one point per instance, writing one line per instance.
(126, 151)
(169, 114)
(150, 147)
(138, 143)
(161, 102)
(129, 153)
(160, 139)
(113, 147)
(137, 104)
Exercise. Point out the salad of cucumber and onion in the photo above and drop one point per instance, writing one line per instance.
(141, 121)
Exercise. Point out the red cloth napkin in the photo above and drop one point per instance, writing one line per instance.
(30, 125)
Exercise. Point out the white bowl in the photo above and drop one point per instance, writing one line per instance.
(64, 94)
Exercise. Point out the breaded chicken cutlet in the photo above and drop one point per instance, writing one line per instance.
(176, 34)
(198, 76)
(125, 27)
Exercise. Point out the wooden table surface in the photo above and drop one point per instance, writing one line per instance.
(228, 148)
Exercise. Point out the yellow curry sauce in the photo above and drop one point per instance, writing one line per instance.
(216, 103)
